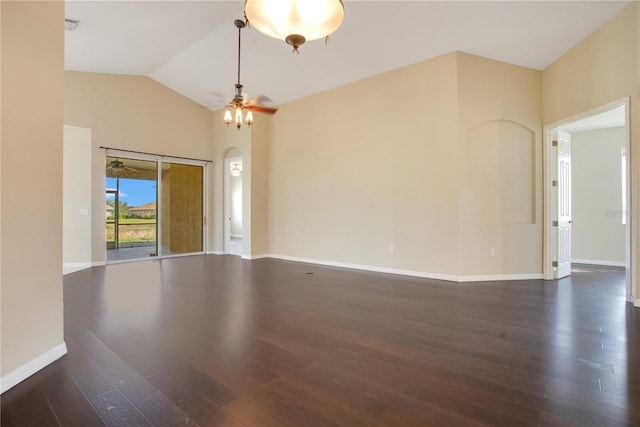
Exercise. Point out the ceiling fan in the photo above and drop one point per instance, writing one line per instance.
(117, 166)
(238, 104)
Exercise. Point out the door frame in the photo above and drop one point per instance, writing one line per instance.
(563, 232)
(549, 246)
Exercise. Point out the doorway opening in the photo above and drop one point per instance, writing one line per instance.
(154, 207)
(588, 188)
(233, 205)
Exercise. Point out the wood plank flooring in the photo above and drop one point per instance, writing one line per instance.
(220, 341)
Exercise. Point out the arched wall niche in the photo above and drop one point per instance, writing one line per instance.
(501, 173)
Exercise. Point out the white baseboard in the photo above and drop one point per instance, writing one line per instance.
(215, 253)
(25, 371)
(412, 273)
(98, 263)
(499, 277)
(599, 262)
(252, 257)
(72, 267)
(636, 303)
(237, 236)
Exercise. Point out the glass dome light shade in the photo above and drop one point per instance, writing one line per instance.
(312, 19)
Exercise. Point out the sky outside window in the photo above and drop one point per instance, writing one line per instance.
(136, 192)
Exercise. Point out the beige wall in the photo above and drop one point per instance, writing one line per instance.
(32, 98)
(367, 173)
(500, 128)
(602, 68)
(598, 234)
(389, 183)
(76, 197)
(133, 113)
(260, 139)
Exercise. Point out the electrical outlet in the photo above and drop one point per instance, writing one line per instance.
(392, 247)
(492, 252)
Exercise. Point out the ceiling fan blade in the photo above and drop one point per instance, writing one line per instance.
(262, 109)
(217, 101)
(219, 97)
(257, 101)
(131, 169)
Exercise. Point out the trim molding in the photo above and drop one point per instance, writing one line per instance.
(25, 371)
(599, 262)
(425, 275)
(498, 277)
(77, 264)
(98, 263)
(259, 256)
(636, 303)
(412, 273)
(72, 267)
(214, 253)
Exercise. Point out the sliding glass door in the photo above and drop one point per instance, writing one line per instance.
(153, 208)
(131, 214)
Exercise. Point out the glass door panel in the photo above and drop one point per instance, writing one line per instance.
(131, 212)
(181, 209)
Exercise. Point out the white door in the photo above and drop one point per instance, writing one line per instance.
(564, 205)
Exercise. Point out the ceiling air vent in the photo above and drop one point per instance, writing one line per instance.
(70, 24)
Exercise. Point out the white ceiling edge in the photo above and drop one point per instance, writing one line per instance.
(416, 31)
(137, 36)
(191, 46)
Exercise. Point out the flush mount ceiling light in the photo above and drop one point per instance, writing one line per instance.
(238, 104)
(295, 21)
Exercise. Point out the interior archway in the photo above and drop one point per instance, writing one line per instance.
(233, 229)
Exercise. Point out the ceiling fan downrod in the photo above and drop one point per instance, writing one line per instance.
(235, 112)
(240, 24)
(238, 102)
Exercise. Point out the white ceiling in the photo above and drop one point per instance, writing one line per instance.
(191, 46)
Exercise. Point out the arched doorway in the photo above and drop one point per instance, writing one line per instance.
(233, 203)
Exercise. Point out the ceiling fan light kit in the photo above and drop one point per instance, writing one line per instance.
(295, 21)
(234, 112)
(238, 117)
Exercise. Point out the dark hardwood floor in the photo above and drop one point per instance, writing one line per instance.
(218, 341)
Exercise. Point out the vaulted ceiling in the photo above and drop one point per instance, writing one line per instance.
(191, 46)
